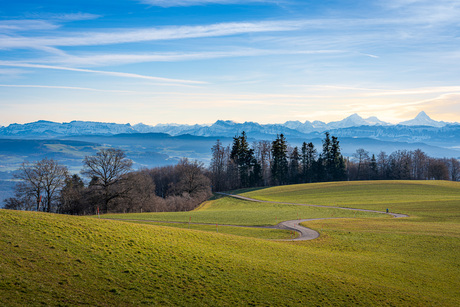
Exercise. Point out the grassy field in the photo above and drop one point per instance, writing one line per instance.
(252, 232)
(48, 259)
(421, 198)
(233, 211)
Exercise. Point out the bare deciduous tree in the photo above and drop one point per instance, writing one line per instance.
(363, 159)
(192, 180)
(31, 182)
(53, 180)
(42, 182)
(107, 169)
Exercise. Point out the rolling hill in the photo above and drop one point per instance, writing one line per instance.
(49, 259)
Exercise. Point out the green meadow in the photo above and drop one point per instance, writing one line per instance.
(363, 260)
(252, 232)
(231, 211)
(421, 198)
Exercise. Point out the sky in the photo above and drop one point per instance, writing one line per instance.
(197, 61)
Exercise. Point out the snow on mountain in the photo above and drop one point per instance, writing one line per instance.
(374, 121)
(355, 121)
(83, 127)
(44, 128)
(227, 128)
(172, 129)
(319, 125)
(422, 119)
(351, 121)
(306, 127)
(352, 126)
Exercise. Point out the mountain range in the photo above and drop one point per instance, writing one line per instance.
(221, 128)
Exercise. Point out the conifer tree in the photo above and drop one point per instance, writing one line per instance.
(294, 159)
(337, 164)
(243, 156)
(308, 162)
(279, 165)
(325, 161)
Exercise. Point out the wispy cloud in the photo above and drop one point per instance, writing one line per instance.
(149, 34)
(108, 73)
(62, 88)
(26, 25)
(65, 17)
(375, 92)
(40, 22)
(416, 91)
(119, 59)
(428, 11)
(172, 3)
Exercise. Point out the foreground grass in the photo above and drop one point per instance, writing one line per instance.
(419, 257)
(48, 259)
(55, 260)
(252, 232)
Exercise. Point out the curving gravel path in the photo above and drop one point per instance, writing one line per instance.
(305, 233)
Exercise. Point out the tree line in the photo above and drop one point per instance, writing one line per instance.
(112, 185)
(264, 163)
(274, 163)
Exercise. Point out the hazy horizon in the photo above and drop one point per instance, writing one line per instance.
(196, 61)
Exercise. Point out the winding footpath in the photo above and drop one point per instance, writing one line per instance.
(294, 225)
(305, 233)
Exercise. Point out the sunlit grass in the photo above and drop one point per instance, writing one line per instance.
(233, 211)
(252, 232)
(376, 260)
(421, 257)
(419, 198)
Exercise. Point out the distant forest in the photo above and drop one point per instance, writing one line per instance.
(112, 185)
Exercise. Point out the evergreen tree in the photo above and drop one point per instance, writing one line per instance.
(243, 156)
(325, 166)
(332, 164)
(338, 170)
(308, 162)
(279, 165)
(373, 170)
(255, 177)
(294, 159)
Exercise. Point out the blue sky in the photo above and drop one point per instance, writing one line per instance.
(196, 61)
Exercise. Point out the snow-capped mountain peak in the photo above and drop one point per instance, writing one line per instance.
(422, 119)
(355, 120)
(374, 121)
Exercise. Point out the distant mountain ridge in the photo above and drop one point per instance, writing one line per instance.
(52, 129)
(420, 129)
(223, 127)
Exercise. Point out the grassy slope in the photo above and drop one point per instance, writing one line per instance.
(252, 232)
(412, 197)
(238, 212)
(50, 259)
